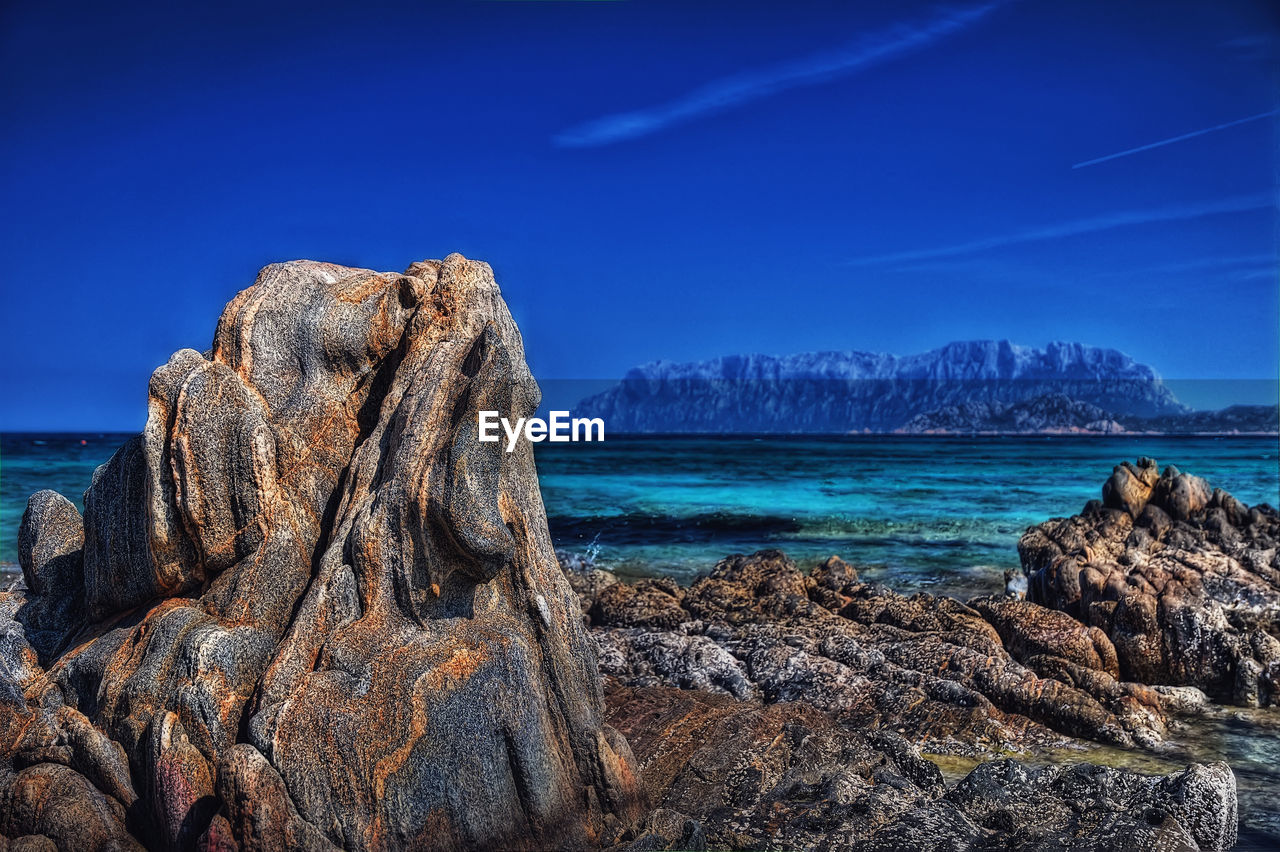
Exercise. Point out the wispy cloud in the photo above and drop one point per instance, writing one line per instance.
(1193, 134)
(864, 52)
(1231, 263)
(1264, 274)
(1094, 224)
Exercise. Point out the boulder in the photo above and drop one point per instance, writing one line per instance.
(315, 611)
(787, 776)
(51, 554)
(1185, 583)
(1129, 487)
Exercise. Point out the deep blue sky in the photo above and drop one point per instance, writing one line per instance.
(648, 180)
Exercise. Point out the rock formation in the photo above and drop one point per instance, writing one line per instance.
(306, 607)
(994, 674)
(772, 708)
(1182, 578)
(730, 774)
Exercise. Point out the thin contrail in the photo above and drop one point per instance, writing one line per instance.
(726, 92)
(1193, 134)
(1077, 227)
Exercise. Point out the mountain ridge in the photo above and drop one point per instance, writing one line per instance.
(837, 391)
(1002, 359)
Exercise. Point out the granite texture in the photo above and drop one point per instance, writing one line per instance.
(306, 607)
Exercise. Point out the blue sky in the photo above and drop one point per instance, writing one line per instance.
(648, 180)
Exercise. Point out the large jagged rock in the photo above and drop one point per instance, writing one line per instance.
(963, 679)
(741, 775)
(1183, 579)
(309, 609)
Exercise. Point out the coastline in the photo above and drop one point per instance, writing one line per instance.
(247, 572)
(644, 643)
(762, 629)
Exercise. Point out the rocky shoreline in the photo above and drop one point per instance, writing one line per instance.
(307, 609)
(993, 676)
(728, 774)
(907, 675)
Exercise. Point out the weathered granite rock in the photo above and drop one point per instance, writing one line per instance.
(1083, 806)
(1184, 581)
(307, 608)
(647, 603)
(51, 553)
(1129, 487)
(965, 679)
(787, 776)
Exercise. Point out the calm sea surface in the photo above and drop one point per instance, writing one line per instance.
(917, 513)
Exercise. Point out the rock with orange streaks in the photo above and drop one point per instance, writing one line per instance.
(1183, 580)
(647, 603)
(53, 801)
(1028, 629)
(307, 607)
(775, 776)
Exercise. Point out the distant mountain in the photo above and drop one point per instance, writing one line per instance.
(836, 392)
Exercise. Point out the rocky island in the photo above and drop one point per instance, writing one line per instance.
(307, 609)
(965, 388)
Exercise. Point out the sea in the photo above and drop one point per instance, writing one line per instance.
(918, 513)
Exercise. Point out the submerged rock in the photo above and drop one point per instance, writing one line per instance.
(306, 607)
(1183, 579)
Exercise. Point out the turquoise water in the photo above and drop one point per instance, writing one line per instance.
(920, 513)
(29, 463)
